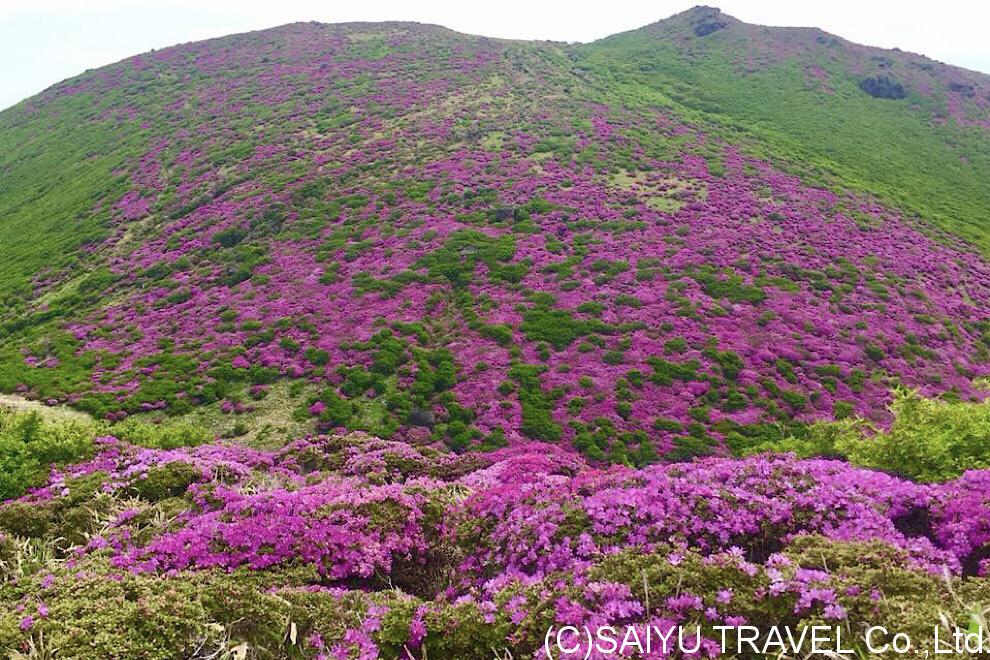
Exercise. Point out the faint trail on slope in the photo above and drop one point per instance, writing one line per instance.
(14, 402)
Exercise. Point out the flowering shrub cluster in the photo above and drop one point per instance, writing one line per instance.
(380, 547)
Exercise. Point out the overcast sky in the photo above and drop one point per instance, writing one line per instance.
(45, 41)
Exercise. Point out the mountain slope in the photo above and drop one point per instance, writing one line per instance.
(694, 235)
(800, 93)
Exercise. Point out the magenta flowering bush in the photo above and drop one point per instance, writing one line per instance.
(341, 530)
(514, 540)
(756, 506)
(962, 515)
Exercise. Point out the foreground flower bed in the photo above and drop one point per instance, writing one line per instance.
(352, 546)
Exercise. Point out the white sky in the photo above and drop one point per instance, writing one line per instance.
(45, 41)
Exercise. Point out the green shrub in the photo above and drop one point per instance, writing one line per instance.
(536, 404)
(613, 357)
(842, 410)
(554, 326)
(728, 361)
(500, 333)
(170, 480)
(690, 447)
(457, 259)
(29, 445)
(316, 356)
(665, 372)
(929, 440)
(592, 307)
(167, 435)
(337, 411)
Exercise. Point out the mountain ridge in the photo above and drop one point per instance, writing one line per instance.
(687, 14)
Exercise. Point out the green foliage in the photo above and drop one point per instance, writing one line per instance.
(557, 327)
(436, 372)
(229, 237)
(689, 447)
(29, 445)
(729, 287)
(729, 362)
(338, 412)
(501, 333)
(44, 189)
(929, 440)
(591, 307)
(457, 260)
(167, 435)
(316, 356)
(666, 372)
(189, 616)
(170, 480)
(537, 406)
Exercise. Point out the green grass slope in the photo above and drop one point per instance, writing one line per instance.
(794, 94)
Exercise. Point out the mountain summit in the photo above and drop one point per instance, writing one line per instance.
(674, 241)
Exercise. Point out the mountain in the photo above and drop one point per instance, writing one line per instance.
(690, 233)
(380, 340)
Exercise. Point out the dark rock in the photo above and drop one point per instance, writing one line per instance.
(962, 88)
(882, 87)
(421, 417)
(707, 27)
(971, 563)
(706, 20)
(503, 214)
(915, 523)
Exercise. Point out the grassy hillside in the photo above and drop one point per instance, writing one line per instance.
(527, 240)
(794, 95)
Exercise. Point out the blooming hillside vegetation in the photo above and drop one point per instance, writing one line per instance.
(397, 342)
(354, 546)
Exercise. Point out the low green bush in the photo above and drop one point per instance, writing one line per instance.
(29, 445)
(928, 440)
